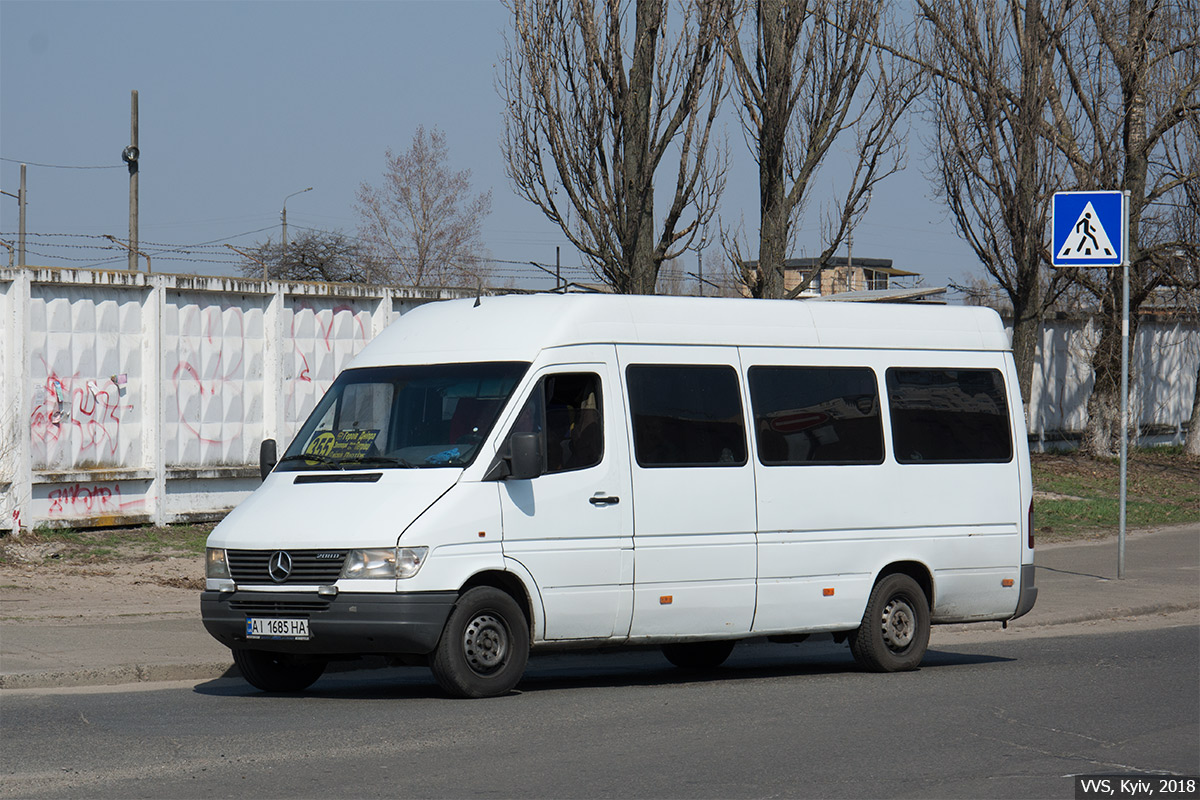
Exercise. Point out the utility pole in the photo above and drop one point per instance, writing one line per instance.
(130, 156)
(20, 198)
(850, 259)
(700, 265)
(558, 273)
(284, 216)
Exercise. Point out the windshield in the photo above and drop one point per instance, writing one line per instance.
(401, 417)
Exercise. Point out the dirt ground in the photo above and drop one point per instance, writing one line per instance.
(1148, 470)
(34, 585)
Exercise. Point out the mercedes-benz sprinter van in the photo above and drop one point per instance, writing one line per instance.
(530, 472)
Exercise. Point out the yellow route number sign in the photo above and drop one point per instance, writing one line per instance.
(342, 444)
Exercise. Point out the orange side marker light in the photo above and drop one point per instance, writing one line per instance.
(666, 600)
(1006, 583)
(827, 592)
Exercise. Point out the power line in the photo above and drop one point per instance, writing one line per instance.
(200, 253)
(61, 166)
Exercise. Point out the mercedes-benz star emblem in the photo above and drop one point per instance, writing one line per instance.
(280, 566)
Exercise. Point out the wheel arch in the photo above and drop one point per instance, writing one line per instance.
(916, 570)
(508, 583)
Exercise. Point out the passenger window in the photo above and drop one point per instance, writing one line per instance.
(949, 416)
(686, 416)
(566, 408)
(816, 415)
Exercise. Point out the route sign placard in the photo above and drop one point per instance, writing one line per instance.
(1088, 229)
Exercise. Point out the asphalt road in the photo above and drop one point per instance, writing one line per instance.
(1012, 718)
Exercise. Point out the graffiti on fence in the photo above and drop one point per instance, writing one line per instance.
(325, 319)
(196, 381)
(89, 499)
(88, 411)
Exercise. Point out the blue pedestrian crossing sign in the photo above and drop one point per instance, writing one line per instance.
(1088, 229)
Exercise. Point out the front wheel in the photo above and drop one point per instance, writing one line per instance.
(484, 646)
(894, 632)
(277, 672)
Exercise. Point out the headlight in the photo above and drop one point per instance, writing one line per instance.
(392, 562)
(215, 565)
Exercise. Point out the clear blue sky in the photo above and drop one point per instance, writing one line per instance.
(243, 103)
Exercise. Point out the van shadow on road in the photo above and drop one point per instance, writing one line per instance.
(591, 670)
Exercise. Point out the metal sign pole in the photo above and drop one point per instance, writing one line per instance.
(1080, 228)
(1124, 383)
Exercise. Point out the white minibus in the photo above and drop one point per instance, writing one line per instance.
(517, 473)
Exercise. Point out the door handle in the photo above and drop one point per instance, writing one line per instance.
(604, 500)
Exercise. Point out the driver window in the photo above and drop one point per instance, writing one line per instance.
(566, 409)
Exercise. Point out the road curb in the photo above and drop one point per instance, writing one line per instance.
(157, 673)
(1110, 613)
(117, 676)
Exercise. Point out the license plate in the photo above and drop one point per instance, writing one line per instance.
(274, 628)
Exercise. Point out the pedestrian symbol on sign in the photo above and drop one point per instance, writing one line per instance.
(1088, 240)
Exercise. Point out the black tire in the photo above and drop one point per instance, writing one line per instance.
(484, 646)
(698, 656)
(277, 672)
(894, 633)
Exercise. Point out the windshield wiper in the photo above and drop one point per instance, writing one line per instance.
(313, 457)
(384, 460)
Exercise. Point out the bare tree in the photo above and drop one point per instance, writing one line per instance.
(1126, 90)
(313, 256)
(817, 72)
(597, 99)
(991, 62)
(1187, 229)
(422, 223)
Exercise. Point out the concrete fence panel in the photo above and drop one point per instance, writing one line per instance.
(131, 398)
(1162, 378)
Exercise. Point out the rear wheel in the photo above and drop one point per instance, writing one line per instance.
(894, 633)
(277, 672)
(698, 656)
(484, 646)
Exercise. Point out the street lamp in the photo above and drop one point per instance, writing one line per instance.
(284, 215)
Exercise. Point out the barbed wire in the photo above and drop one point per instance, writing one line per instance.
(209, 252)
(95, 246)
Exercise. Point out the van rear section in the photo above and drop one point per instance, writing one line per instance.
(570, 472)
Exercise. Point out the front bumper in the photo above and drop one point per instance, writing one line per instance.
(348, 624)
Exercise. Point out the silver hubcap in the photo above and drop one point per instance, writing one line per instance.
(485, 644)
(899, 624)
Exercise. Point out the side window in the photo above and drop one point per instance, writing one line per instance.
(949, 416)
(816, 415)
(686, 416)
(566, 408)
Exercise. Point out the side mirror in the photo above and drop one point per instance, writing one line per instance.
(527, 460)
(267, 457)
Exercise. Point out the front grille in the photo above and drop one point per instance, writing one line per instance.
(308, 566)
(279, 606)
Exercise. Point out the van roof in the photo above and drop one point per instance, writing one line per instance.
(518, 327)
